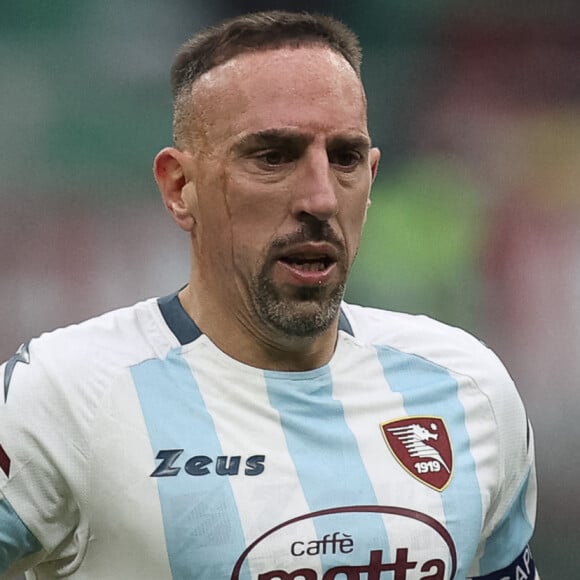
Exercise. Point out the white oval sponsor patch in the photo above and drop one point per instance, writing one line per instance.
(353, 542)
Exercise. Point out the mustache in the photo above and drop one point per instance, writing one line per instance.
(313, 231)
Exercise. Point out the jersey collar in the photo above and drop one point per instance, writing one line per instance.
(186, 330)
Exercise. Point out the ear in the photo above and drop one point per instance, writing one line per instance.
(176, 190)
(375, 157)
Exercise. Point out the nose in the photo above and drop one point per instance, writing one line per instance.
(315, 192)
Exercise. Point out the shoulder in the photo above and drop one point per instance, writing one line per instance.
(54, 391)
(89, 352)
(412, 333)
(57, 385)
(484, 385)
(449, 347)
(122, 335)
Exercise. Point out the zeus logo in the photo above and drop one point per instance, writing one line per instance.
(204, 465)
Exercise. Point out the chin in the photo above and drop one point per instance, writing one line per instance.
(307, 315)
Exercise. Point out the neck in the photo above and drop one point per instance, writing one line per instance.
(253, 343)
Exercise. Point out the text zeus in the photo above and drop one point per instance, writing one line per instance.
(204, 465)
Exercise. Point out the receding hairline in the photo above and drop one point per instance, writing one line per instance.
(254, 33)
(259, 31)
(233, 62)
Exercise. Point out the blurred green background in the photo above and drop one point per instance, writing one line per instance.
(475, 217)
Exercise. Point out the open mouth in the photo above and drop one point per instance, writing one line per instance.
(308, 263)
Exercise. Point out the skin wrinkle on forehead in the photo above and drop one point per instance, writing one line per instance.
(309, 51)
(222, 81)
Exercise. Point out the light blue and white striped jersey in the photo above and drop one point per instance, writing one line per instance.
(132, 448)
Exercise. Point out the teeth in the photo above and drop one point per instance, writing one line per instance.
(311, 266)
(308, 264)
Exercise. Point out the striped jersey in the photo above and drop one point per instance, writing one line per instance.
(132, 448)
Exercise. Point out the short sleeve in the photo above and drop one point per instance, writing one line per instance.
(504, 550)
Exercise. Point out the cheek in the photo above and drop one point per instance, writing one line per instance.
(257, 212)
(251, 239)
(249, 198)
(214, 234)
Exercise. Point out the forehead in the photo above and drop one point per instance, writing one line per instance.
(308, 88)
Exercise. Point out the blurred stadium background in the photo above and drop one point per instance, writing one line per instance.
(476, 211)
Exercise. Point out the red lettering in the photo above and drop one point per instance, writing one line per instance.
(438, 574)
(304, 573)
(401, 564)
(351, 572)
(372, 571)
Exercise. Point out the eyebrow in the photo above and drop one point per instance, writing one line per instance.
(349, 142)
(278, 137)
(271, 138)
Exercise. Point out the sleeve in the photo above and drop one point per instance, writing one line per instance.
(41, 459)
(504, 551)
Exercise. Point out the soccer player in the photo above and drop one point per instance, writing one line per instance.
(253, 425)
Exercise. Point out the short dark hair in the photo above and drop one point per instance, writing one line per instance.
(249, 33)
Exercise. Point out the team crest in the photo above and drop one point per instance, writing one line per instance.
(422, 446)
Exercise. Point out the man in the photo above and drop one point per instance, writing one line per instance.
(253, 425)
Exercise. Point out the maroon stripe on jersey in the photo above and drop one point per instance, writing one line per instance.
(4, 461)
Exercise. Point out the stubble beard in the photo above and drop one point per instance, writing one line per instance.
(307, 311)
(307, 314)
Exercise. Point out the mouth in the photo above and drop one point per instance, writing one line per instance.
(308, 264)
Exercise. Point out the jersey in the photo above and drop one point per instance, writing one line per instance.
(132, 447)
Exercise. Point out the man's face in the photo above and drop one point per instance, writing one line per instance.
(280, 169)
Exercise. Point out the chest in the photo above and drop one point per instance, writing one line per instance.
(277, 476)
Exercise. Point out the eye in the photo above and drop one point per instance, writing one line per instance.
(277, 157)
(345, 158)
(273, 157)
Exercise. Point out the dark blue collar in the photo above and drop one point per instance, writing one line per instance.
(180, 323)
(186, 330)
